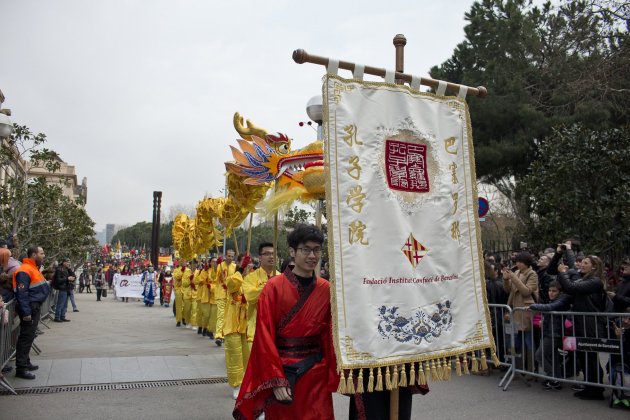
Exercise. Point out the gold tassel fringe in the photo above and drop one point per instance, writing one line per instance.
(484, 361)
(388, 379)
(371, 380)
(475, 364)
(495, 359)
(403, 376)
(342, 384)
(350, 384)
(422, 380)
(434, 374)
(395, 377)
(379, 380)
(360, 382)
(458, 366)
(448, 370)
(412, 375)
(465, 361)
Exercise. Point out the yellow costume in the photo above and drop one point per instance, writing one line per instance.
(212, 321)
(203, 298)
(235, 330)
(220, 292)
(253, 284)
(193, 299)
(187, 278)
(179, 296)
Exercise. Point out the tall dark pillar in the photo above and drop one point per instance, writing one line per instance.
(155, 232)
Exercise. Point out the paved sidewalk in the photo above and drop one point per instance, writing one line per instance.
(113, 342)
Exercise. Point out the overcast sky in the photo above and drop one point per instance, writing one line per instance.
(139, 95)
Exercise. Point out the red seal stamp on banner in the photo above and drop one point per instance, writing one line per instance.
(406, 166)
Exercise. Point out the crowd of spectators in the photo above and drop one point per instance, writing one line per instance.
(561, 279)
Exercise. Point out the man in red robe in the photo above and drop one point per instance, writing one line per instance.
(292, 370)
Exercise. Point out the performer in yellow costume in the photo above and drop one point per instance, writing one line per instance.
(204, 291)
(226, 269)
(253, 284)
(212, 278)
(235, 327)
(187, 279)
(179, 294)
(194, 298)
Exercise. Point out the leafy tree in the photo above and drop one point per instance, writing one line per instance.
(296, 216)
(135, 236)
(580, 186)
(544, 67)
(139, 235)
(36, 210)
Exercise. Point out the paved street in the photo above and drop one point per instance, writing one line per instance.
(113, 342)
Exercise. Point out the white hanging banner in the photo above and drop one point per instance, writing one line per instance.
(404, 242)
(333, 66)
(389, 76)
(441, 90)
(463, 90)
(415, 82)
(359, 70)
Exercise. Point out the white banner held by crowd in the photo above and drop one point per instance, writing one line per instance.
(129, 286)
(405, 251)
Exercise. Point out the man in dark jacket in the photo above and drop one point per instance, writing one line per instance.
(621, 295)
(31, 290)
(63, 281)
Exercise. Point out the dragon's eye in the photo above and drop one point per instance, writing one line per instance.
(283, 149)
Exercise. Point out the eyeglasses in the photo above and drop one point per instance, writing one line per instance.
(267, 254)
(307, 251)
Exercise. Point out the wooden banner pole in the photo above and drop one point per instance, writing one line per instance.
(300, 56)
(399, 42)
(249, 232)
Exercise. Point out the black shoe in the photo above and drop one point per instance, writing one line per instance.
(24, 374)
(57, 320)
(7, 369)
(184, 322)
(204, 333)
(199, 330)
(179, 324)
(65, 320)
(75, 310)
(31, 367)
(218, 342)
(210, 335)
(552, 385)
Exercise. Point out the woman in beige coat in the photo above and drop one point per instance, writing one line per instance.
(522, 287)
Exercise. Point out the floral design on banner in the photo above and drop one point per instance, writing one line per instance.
(423, 325)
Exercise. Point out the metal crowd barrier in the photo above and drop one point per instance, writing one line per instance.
(48, 308)
(8, 339)
(579, 348)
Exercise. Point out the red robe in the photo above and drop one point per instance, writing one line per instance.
(290, 313)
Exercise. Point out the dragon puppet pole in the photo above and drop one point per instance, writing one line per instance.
(216, 240)
(249, 233)
(235, 243)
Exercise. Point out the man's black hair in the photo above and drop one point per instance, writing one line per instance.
(555, 283)
(3, 243)
(32, 251)
(304, 233)
(525, 258)
(264, 245)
